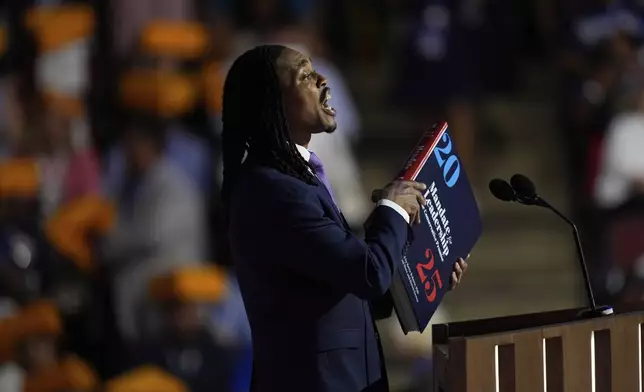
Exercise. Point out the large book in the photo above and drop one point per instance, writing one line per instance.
(450, 227)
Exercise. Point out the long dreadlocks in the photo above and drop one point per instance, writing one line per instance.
(254, 120)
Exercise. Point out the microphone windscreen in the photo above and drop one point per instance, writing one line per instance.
(502, 190)
(523, 186)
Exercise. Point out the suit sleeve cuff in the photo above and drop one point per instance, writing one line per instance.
(396, 207)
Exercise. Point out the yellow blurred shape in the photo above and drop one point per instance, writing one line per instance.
(69, 230)
(70, 374)
(161, 93)
(213, 85)
(194, 284)
(38, 318)
(66, 105)
(56, 26)
(19, 178)
(176, 39)
(146, 379)
(41, 317)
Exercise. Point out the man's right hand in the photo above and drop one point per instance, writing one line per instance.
(407, 194)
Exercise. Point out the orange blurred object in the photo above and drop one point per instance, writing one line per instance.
(165, 94)
(56, 26)
(7, 343)
(146, 379)
(38, 318)
(181, 40)
(69, 230)
(3, 41)
(19, 178)
(213, 85)
(67, 106)
(70, 374)
(195, 284)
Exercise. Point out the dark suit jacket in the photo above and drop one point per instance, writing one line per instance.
(308, 282)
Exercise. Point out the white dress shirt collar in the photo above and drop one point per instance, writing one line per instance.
(304, 152)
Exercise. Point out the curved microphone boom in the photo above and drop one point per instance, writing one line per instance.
(522, 190)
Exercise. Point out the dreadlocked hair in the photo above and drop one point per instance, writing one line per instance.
(254, 120)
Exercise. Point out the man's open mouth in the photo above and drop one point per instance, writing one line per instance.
(324, 99)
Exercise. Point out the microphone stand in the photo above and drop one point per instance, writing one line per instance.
(594, 310)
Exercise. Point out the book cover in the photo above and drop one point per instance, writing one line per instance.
(450, 223)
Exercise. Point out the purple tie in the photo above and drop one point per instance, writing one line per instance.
(318, 168)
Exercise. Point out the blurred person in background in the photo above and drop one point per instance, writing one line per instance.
(24, 250)
(24, 263)
(619, 194)
(184, 148)
(160, 224)
(594, 105)
(186, 348)
(70, 169)
(621, 175)
(59, 136)
(587, 24)
(11, 118)
(29, 344)
(185, 151)
(229, 323)
(597, 44)
(11, 377)
(600, 45)
(38, 352)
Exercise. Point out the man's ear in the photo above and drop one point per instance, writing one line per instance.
(284, 78)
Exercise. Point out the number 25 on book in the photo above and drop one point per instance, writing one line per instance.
(431, 282)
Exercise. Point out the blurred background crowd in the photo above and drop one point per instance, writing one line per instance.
(113, 272)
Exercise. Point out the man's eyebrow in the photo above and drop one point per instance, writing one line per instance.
(303, 62)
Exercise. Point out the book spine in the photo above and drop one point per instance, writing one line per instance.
(422, 151)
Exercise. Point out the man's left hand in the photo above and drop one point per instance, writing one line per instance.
(459, 269)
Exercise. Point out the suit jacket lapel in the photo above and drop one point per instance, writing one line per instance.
(327, 195)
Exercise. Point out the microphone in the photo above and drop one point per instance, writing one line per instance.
(503, 191)
(522, 190)
(524, 187)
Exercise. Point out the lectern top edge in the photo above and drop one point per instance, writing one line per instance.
(442, 332)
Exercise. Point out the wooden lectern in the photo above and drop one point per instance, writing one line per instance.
(553, 352)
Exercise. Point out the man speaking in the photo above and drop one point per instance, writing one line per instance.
(308, 283)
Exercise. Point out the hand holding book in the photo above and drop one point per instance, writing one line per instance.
(407, 194)
(459, 269)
